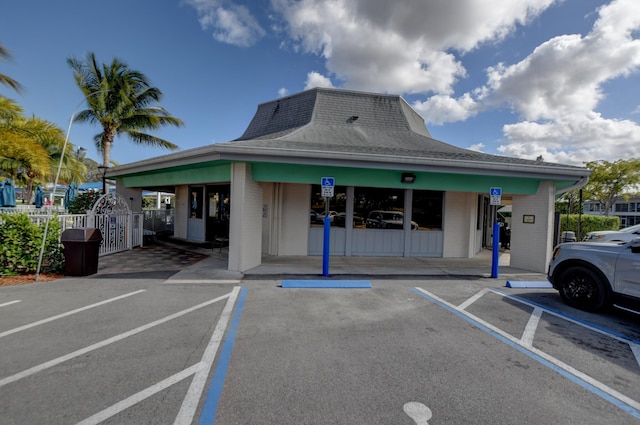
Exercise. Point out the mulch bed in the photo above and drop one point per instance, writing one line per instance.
(28, 278)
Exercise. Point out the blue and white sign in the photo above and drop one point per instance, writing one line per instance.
(496, 195)
(327, 183)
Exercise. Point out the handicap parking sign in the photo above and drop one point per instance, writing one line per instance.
(327, 184)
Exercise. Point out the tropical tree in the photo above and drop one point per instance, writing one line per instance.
(611, 181)
(5, 80)
(122, 101)
(30, 149)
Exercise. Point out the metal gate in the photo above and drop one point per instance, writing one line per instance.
(121, 229)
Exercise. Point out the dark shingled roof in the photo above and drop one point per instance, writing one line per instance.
(343, 121)
(346, 128)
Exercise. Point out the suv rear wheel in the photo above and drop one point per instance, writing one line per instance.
(582, 288)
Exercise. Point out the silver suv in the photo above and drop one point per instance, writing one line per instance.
(592, 276)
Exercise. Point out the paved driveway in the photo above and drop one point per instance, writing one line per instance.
(123, 349)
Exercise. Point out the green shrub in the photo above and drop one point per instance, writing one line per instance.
(21, 243)
(83, 202)
(588, 223)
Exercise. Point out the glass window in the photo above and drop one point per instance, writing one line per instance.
(622, 207)
(427, 209)
(378, 208)
(337, 206)
(195, 202)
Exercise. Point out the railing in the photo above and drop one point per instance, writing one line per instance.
(119, 231)
(158, 220)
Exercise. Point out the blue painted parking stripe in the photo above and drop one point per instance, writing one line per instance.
(208, 415)
(584, 384)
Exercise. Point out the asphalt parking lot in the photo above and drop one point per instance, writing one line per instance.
(147, 350)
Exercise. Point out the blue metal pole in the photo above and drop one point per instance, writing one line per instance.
(325, 247)
(496, 251)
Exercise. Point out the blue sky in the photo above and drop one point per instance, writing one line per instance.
(521, 78)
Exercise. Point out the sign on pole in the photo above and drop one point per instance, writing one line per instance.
(327, 184)
(496, 195)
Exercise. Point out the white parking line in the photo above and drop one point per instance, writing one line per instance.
(9, 303)
(530, 329)
(140, 396)
(190, 402)
(54, 362)
(473, 299)
(68, 313)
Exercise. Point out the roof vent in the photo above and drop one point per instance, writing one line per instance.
(352, 118)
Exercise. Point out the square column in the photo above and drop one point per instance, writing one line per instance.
(532, 229)
(245, 227)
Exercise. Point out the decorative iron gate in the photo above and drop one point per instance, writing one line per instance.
(121, 229)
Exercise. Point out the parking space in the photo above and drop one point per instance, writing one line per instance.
(420, 351)
(360, 356)
(600, 359)
(109, 351)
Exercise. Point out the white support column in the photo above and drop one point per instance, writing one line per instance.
(133, 196)
(532, 229)
(245, 232)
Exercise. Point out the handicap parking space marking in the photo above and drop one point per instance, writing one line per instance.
(10, 303)
(68, 313)
(587, 382)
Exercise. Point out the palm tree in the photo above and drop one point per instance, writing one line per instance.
(121, 100)
(30, 148)
(5, 80)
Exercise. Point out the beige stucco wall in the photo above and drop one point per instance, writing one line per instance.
(460, 219)
(181, 211)
(294, 219)
(285, 218)
(531, 243)
(133, 196)
(245, 232)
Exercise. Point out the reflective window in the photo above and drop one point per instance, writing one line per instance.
(378, 208)
(337, 206)
(427, 209)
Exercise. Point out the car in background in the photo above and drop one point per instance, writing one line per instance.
(387, 220)
(340, 220)
(622, 235)
(321, 216)
(592, 276)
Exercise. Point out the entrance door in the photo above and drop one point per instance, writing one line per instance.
(195, 223)
(218, 211)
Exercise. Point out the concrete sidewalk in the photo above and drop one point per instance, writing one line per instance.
(181, 263)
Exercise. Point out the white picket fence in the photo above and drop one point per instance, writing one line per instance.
(120, 231)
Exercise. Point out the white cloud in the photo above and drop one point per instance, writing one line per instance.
(478, 147)
(283, 92)
(315, 79)
(399, 46)
(231, 23)
(439, 109)
(558, 87)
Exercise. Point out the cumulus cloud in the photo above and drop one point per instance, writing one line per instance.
(231, 23)
(439, 109)
(557, 88)
(315, 79)
(400, 46)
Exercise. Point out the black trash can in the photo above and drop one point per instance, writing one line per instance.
(81, 250)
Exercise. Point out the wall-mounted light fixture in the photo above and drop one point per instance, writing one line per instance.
(408, 178)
